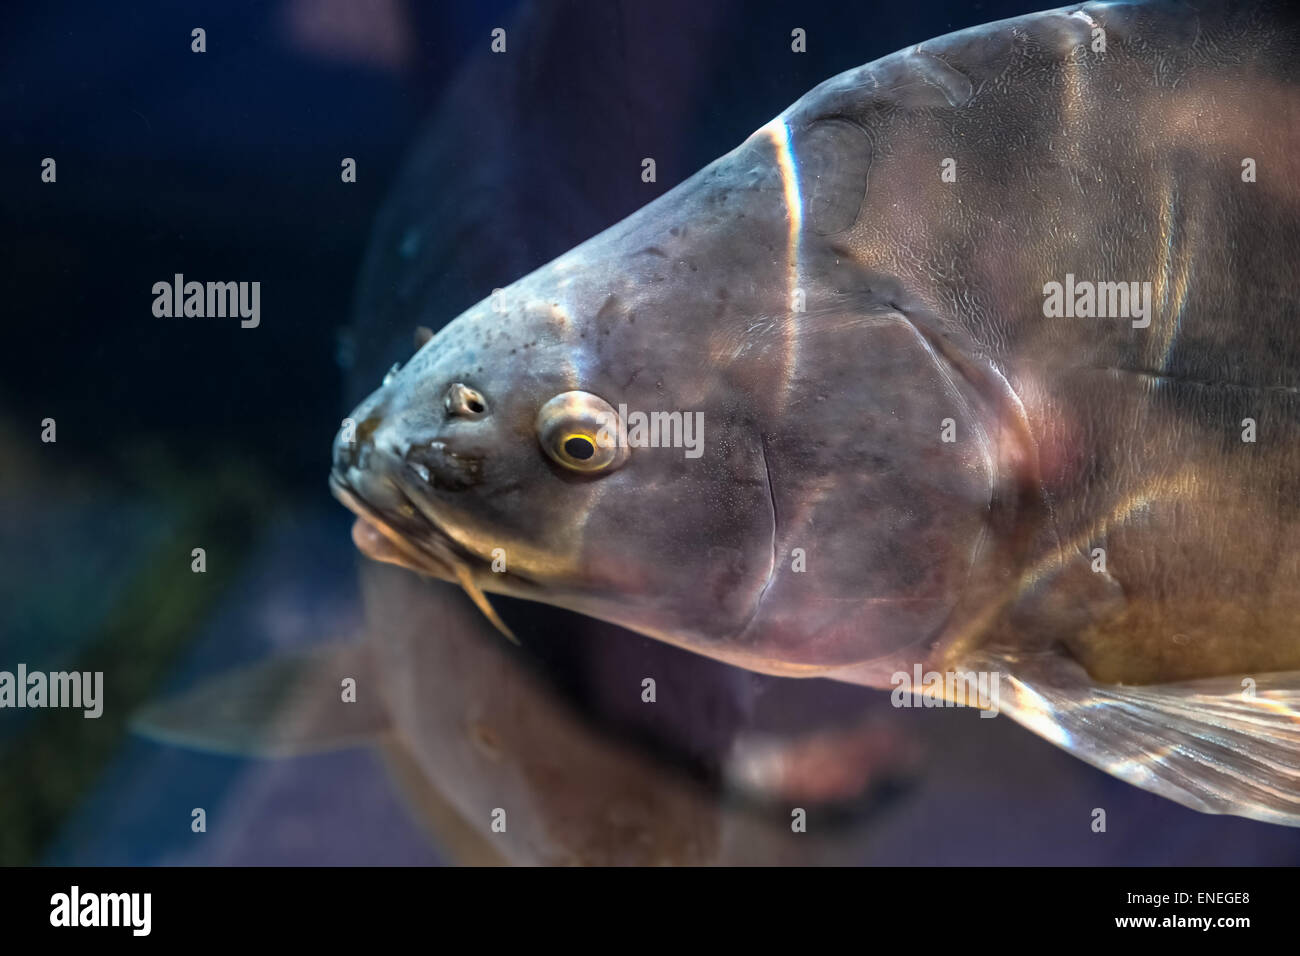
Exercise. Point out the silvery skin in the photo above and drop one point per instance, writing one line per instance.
(918, 453)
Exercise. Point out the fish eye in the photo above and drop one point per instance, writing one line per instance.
(582, 432)
(579, 447)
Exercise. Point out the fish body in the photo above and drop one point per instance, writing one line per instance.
(992, 348)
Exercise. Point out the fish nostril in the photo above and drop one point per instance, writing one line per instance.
(462, 401)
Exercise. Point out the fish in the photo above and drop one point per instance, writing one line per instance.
(558, 734)
(913, 458)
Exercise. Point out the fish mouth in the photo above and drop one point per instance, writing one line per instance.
(414, 539)
(413, 542)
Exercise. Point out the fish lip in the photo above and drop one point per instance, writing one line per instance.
(412, 541)
(420, 557)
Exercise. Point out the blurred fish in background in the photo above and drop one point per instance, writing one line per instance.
(176, 434)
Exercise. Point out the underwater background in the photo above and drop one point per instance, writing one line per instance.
(175, 433)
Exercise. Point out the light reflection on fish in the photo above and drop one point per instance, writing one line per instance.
(1097, 532)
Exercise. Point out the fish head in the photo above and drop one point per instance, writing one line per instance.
(502, 449)
(653, 428)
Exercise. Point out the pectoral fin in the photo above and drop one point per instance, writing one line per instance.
(1223, 745)
(279, 708)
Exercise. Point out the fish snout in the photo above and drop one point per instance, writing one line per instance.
(378, 447)
(355, 441)
(356, 457)
(363, 469)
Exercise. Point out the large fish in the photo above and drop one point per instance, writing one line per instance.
(921, 445)
(558, 736)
